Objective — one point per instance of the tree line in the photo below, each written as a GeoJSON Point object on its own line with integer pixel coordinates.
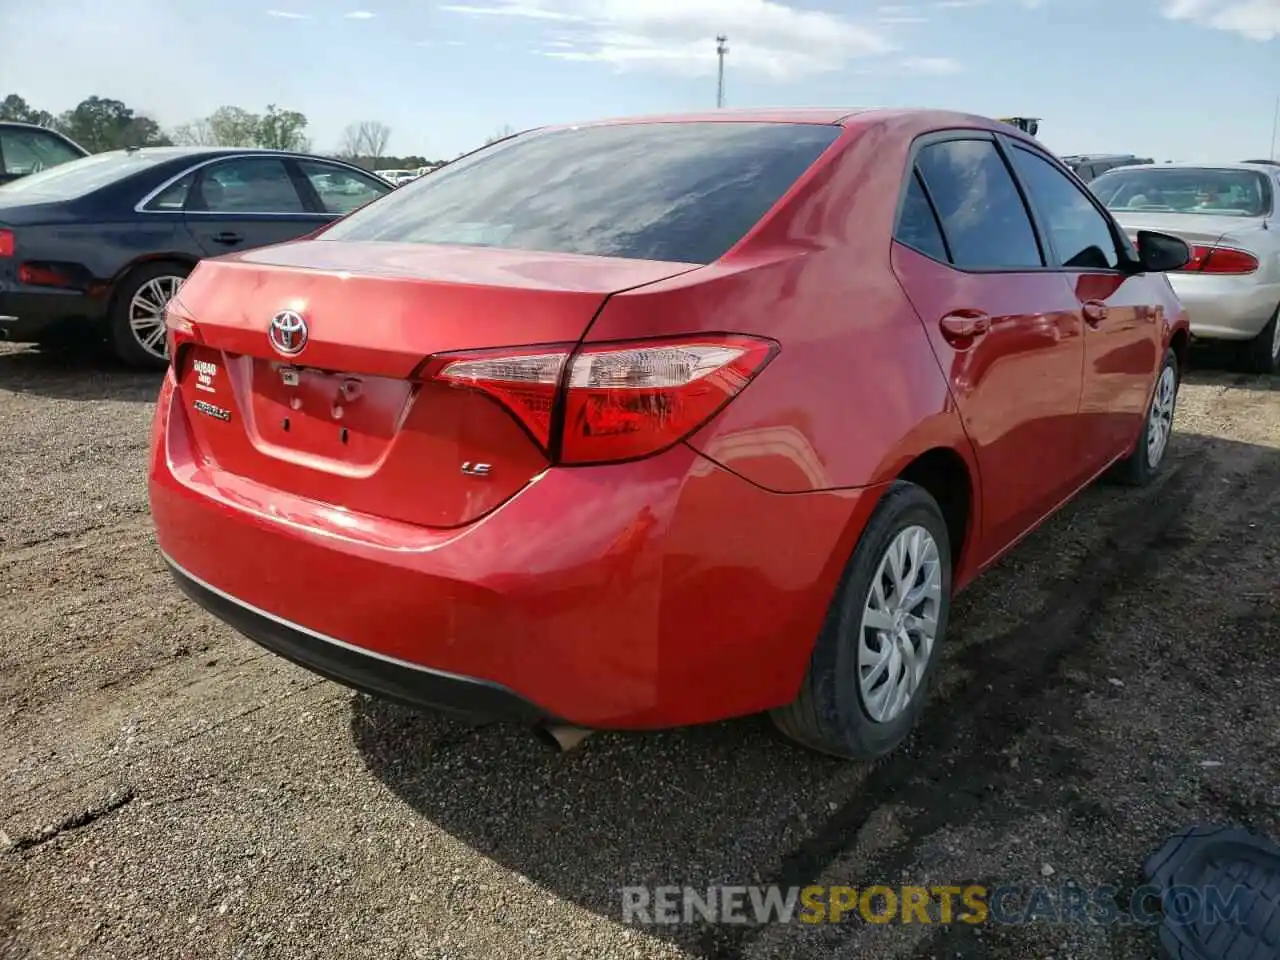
{"type": "Point", "coordinates": [99, 124]}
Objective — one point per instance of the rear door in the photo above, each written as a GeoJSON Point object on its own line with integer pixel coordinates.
{"type": "Point", "coordinates": [1005, 327]}
{"type": "Point", "coordinates": [249, 201]}
{"type": "Point", "coordinates": [1121, 314]}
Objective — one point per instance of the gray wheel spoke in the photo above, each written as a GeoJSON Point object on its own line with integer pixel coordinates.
{"type": "Point", "coordinates": [146, 313]}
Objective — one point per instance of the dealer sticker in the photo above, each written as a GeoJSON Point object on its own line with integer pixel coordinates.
{"type": "Point", "coordinates": [205, 372]}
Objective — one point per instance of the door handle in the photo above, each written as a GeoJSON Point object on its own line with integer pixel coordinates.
{"type": "Point", "coordinates": [228, 238]}
{"type": "Point", "coordinates": [961, 328]}
{"type": "Point", "coordinates": [1095, 311]}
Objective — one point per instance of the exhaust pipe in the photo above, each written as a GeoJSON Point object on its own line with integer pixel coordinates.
{"type": "Point", "coordinates": [562, 739]}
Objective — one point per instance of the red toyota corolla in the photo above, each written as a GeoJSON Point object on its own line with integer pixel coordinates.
{"type": "Point", "coordinates": [653, 422]}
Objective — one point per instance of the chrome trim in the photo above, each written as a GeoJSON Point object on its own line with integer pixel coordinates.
{"type": "Point", "coordinates": [6, 319]}
{"type": "Point", "coordinates": [140, 206]}
{"type": "Point", "coordinates": [316, 635]}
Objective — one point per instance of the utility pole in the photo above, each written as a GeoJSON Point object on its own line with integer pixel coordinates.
{"type": "Point", "coordinates": [1275, 126]}
{"type": "Point", "coordinates": [722, 47]}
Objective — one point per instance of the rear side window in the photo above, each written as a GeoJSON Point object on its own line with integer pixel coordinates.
{"type": "Point", "coordinates": [683, 192]}
{"type": "Point", "coordinates": [983, 216]}
{"type": "Point", "coordinates": [917, 226]}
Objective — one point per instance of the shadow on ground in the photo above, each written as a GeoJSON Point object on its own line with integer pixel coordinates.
{"type": "Point", "coordinates": [68, 374]}
{"type": "Point", "coordinates": [733, 803]}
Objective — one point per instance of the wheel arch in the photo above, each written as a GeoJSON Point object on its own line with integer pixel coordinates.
{"type": "Point", "coordinates": [185, 260]}
{"type": "Point", "coordinates": [948, 476]}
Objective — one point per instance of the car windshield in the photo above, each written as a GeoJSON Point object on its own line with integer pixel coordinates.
{"type": "Point", "coordinates": [79, 177]}
{"type": "Point", "coordinates": [1217, 192]}
{"type": "Point", "coordinates": [680, 192]}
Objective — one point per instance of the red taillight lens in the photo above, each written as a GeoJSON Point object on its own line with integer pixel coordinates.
{"type": "Point", "coordinates": [7, 243]}
{"type": "Point", "coordinates": [1220, 260]}
{"type": "Point", "coordinates": [614, 401]}
{"type": "Point", "coordinates": [179, 329]}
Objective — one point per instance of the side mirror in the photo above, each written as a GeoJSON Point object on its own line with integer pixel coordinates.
{"type": "Point", "coordinates": [1159, 252]}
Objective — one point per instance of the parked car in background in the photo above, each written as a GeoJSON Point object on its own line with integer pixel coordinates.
{"type": "Point", "coordinates": [1089, 166]}
{"type": "Point", "coordinates": [95, 248]}
{"type": "Point", "coordinates": [399, 177]}
{"type": "Point", "coordinates": [26, 148]}
{"type": "Point", "coordinates": [1228, 213]}
{"type": "Point", "coordinates": [650, 423]}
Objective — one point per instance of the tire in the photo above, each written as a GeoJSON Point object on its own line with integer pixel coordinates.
{"type": "Point", "coordinates": [1262, 353]}
{"type": "Point", "coordinates": [831, 714]}
{"type": "Point", "coordinates": [149, 285]}
{"type": "Point", "coordinates": [1143, 465]}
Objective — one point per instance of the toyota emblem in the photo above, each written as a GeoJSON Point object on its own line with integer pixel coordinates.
{"type": "Point", "coordinates": [288, 332]}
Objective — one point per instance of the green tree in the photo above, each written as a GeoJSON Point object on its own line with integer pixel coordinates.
{"type": "Point", "coordinates": [98, 124]}
{"type": "Point", "coordinates": [282, 130]}
{"type": "Point", "coordinates": [235, 127]}
{"type": "Point", "coordinates": [13, 107]}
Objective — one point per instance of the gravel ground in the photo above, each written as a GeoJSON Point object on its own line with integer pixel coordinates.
{"type": "Point", "coordinates": [169, 790]}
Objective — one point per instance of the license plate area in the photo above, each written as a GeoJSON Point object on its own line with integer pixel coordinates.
{"type": "Point", "coordinates": [344, 418]}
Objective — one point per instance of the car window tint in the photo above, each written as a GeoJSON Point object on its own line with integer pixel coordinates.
{"type": "Point", "coordinates": [30, 151]}
{"type": "Point", "coordinates": [917, 226]}
{"type": "Point", "coordinates": [682, 192]}
{"type": "Point", "coordinates": [174, 196]}
{"type": "Point", "coordinates": [982, 213]}
{"type": "Point", "coordinates": [248, 185]}
{"type": "Point", "coordinates": [341, 190]}
{"type": "Point", "coordinates": [1079, 234]}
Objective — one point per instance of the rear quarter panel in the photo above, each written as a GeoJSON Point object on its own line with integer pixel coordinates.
{"type": "Point", "coordinates": [855, 393]}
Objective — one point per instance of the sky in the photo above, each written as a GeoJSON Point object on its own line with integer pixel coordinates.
{"type": "Point", "coordinates": [1172, 79]}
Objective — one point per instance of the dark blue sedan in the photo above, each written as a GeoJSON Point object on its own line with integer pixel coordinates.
{"type": "Point", "coordinates": [92, 250]}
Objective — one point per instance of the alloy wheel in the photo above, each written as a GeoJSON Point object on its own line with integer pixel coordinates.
{"type": "Point", "coordinates": [899, 623]}
{"type": "Point", "coordinates": [1160, 420]}
{"type": "Point", "coordinates": [146, 313]}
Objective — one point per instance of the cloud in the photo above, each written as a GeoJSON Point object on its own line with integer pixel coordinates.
{"type": "Point", "coordinates": [359, 15]}
{"type": "Point", "coordinates": [767, 37]}
{"type": "Point", "coordinates": [1255, 19]}
{"type": "Point", "coordinates": [287, 15]}
{"type": "Point", "coordinates": [942, 65]}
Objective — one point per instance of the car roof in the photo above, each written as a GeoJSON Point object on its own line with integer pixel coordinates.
{"type": "Point", "coordinates": [839, 116]}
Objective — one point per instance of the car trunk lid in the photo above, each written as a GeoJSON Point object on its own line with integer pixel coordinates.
{"type": "Point", "coordinates": [347, 420]}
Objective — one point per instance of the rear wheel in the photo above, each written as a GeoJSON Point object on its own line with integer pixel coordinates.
{"type": "Point", "coordinates": [137, 314]}
{"type": "Point", "coordinates": [1144, 463]}
{"type": "Point", "coordinates": [1262, 353]}
{"type": "Point", "coordinates": [871, 667]}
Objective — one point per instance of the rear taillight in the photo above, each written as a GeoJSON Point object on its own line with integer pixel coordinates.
{"type": "Point", "coordinates": [7, 243]}
{"type": "Point", "coordinates": [1220, 260]}
{"type": "Point", "coordinates": [179, 329]}
{"type": "Point", "coordinates": [616, 401]}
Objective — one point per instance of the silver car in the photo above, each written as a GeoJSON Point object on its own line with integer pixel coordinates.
{"type": "Point", "coordinates": [1229, 214]}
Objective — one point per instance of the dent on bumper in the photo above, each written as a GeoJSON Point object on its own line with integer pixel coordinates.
{"type": "Point", "coordinates": [659, 593]}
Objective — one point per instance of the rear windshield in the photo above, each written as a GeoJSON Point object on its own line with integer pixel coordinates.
{"type": "Point", "coordinates": [79, 177]}
{"type": "Point", "coordinates": [682, 192]}
{"type": "Point", "coordinates": [1218, 192]}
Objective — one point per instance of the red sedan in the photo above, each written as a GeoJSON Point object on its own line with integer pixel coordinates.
{"type": "Point", "coordinates": [655, 422]}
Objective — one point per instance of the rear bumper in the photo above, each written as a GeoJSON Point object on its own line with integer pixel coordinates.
{"type": "Point", "coordinates": [29, 317]}
{"type": "Point", "coordinates": [1226, 308]}
{"type": "Point", "coordinates": [658, 593]}
{"type": "Point", "coordinates": [382, 676]}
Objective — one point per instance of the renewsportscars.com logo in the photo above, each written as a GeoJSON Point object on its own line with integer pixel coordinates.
{"type": "Point", "coordinates": [974, 904]}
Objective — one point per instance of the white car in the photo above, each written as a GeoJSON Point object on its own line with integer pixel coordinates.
{"type": "Point", "coordinates": [1230, 215]}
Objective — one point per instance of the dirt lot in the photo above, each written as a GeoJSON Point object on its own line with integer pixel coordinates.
{"type": "Point", "coordinates": [167, 790]}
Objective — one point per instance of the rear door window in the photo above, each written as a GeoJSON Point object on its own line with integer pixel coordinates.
{"type": "Point", "coordinates": [982, 214]}
{"type": "Point", "coordinates": [246, 185]}
{"type": "Point", "coordinates": [917, 226]}
{"type": "Point", "coordinates": [683, 192]}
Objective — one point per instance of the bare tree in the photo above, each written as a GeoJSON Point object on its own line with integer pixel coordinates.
{"type": "Point", "coordinates": [365, 140]}
{"type": "Point", "coordinates": [197, 133]}
{"type": "Point", "coordinates": [502, 133]}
